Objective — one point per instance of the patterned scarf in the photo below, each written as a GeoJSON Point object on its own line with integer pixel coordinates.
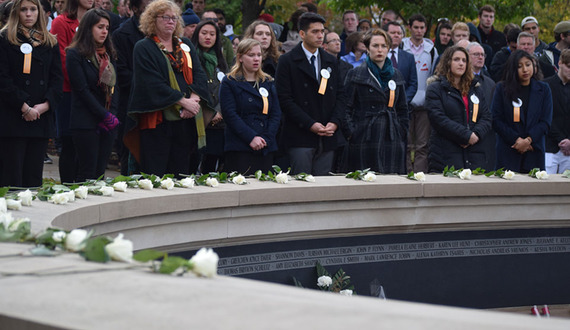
{"type": "Point", "coordinates": [383, 75]}
{"type": "Point", "coordinates": [34, 37]}
{"type": "Point", "coordinates": [107, 75]}
{"type": "Point", "coordinates": [176, 58]}
{"type": "Point", "coordinates": [210, 61]}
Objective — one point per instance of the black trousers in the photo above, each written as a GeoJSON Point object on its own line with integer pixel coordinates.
{"type": "Point", "coordinates": [22, 161]}
{"type": "Point", "coordinates": [167, 148]}
{"type": "Point", "coordinates": [247, 163]}
{"type": "Point", "coordinates": [67, 156]}
{"type": "Point", "coordinates": [93, 149]}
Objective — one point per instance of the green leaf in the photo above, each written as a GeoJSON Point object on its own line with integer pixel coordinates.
{"type": "Point", "coordinates": [321, 271]}
{"type": "Point", "coordinates": [148, 255]}
{"type": "Point", "coordinates": [297, 283]}
{"type": "Point", "coordinates": [566, 174]}
{"type": "Point", "coordinates": [95, 249]}
{"type": "Point", "coordinates": [3, 191]}
{"type": "Point", "coordinates": [43, 251]}
{"type": "Point", "coordinates": [223, 177]}
{"type": "Point", "coordinates": [170, 264]}
{"type": "Point", "coordinates": [276, 168]}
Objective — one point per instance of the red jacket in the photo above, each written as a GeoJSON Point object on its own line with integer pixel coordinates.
{"type": "Point", "coordinates": [64, 28]}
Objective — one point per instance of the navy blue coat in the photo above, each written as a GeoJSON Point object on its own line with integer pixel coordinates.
{"type": "Point", "coordinates": [407, 66]}
{"type": "Point", "coordinates": [87, 98]}
{"type": "Point", "coordinates": [242, 107]}
{"type": "Point", "coordinates": [536, 125]}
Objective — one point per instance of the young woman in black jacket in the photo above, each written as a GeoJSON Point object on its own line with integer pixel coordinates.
{"type": "Point", "coordinates": [30, 88]}
{"type": "Point", "coordinates": [94, 96]}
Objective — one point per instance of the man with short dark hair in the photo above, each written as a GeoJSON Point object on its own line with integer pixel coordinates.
{"type": "Point", "coordinates": [530, 24]}
{"type": "Point", "coordinates": [425, 56]}
{"type": "Point", "coordinates": [311, 96]}
{"type": "Point", "coordinates": [489, 35]}
{"type": "Point", "coordinates": [388, 16]}
{"type": "Point", "coordinates": [401, 59]}
{"type": "Point", "coordinates": [198, 6]}
{"type": "Point", "coordinates": [557, 157]}
{"type": "Point", "coordinates": [350, 23]}
{"type": "Point", "coordinates": [549, 58]}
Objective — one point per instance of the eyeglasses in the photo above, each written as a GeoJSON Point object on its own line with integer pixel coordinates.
{"type": "Point", "coordinates": [333, 40]}
{"type": "Point", "coordinates": [479, 54]}
{"type": "Point", "coordinates": [215, 20]}
{"type": "Point", "coordinates": [169, 18]}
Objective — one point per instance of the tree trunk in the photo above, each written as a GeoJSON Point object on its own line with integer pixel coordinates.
{"type": "Point", "coordinates": [250, 10]}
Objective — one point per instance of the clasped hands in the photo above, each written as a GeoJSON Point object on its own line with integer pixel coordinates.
{"type": "Point", "coordinates": [523, 145]}
{"type": "Point", "coordinates": [564, 146]}
{"type": "Point", "coordinates": [190, 106]}
{"type": "Point", "coordinates": [34, 113]}
{"type": "Point", "coordinates": [473, 139]}
{"type": "Point", "coordinates": [322, 130]}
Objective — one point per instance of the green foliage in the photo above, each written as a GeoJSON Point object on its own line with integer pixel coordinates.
{"type": "Point", "coordinates": [500, 172]}
{"type": "Point", "coordinates": [479, 171]}
{"type": "Point", "coordinates": [533, 172]}
{"type": "Point", "coordinates": [566, 174]}
{"type": "Point", "coordinates": [358, 174]}
{"type": "Point", "coordinates": [148, 255]}
{"type": "Point", "coordinates": [340, 280]}
{"type": "Point", "coordinates": [95, 249]}
{"type": "Point", "coordinates": [4, 191]}
{"type": "Point", "coordinates": [171, 264]}
{"type": "Point", "coordinates": [18, 234]}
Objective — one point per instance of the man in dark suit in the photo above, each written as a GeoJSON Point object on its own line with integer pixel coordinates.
{"type": "Point", "coordinates": [401, 59]}
{"type": "Point", "coordinates": [310, 92]}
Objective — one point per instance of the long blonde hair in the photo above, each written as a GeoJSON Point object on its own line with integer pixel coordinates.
{"type": "Point", "coordinates": [11, 28]}
{"type": "Point", "coordinates": [236, 72]}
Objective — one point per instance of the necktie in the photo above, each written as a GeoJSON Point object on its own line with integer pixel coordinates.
{"type": "Point", "coordinates": [393, 59]}
{"type": "Point", "coordinates": [313, 58]}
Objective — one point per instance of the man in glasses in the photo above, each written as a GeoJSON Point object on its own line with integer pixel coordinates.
{"type": "Point", "coordinates": [331, 45]}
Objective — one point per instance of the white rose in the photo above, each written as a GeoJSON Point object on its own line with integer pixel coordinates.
{"type": "Point", "coordinates": [212, 182]}
{"type": "Point", "coordinates": [420, 176]}
{"type": "Point", "coordinates": [6, 219]}
{"type": "Point", "coordinates": [167, 184]}
{"type": "Point", "coordinates": [310, 178]}
{"type": "Point", "coordinates": [26, 197]}
{"type": "Point", "coordinates": [345, 292]}
{"type": "Point", "coordinates": [239, 179]}
{"type": "Point", "coordinates": [70, 195]}
{"type": "Point", "coordinates": [120, 186]}
{"type": "Point", "coordinates": [205, 262]}
{"type": "Point", "coordinates": [13, 204]}
{"type": "Point", "coordinates": [61, 198]}
{"type": "Point", "coordinates": [369, 177]}
{"type": "Point", "coordinates": [16, 223]}
{"type": "Point", "coordinates": [58, 236]}
{"type": "Point", "coordinates": [324, 281]}
{"type": "Point", "coordinates": [81, 192]}
{"type": "Point", "coordinates": [107, 191]}
{"type": "Point", "coordinates": [187, 182]}
{"type": "Point", "coordinates": [542, 175]}
{"type": "Point", "coordinates": [145, 184]}
{"type": "Point", "coordinates": [508, 175]}
{"type": "Point", "coordinates": [465, 174]}
{"type": "Point", "coordinates": [282, 177]}
{"type": "Point", "coordinates": [76, 240]}
{"type": "Point", "coordinates": [3, 206]}
{"type": "Point", "coordinates": [120, 249]}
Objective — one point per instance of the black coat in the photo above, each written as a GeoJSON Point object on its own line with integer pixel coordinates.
{"type": "Point", "coordinates": [451, 129]}
{"type": "Point", "coordinates": [124, 40]}
{"type": "Point", "coordinates": [87, 98]}
{"type": "Point", "coordinates": [302, 106]}
{"type": "Point", "coordinates": [560, 128]}
{"type": "Point", "coordinates": [44, 82]}
{"type": "Point", "coordinates": [498, 63]}
{"type": "Point", "coordinates": [378, 134]}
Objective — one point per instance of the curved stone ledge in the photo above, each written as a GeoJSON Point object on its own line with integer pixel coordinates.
{"type": "Point", "coordinates": [183, 219]}
{"type": "Point", "coordinates": [96, 296]}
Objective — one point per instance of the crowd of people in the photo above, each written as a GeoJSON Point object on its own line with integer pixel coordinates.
{"type": "Point", "coordinates": [174, 90]}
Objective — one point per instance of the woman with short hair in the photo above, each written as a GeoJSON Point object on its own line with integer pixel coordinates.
{"type": "Point", "coordinates": [168, 85]}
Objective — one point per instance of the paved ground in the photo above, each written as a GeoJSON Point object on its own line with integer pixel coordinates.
{"type": "Point", "coordinates": [52, 170]}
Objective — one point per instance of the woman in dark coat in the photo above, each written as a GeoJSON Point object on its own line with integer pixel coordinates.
{"type": "Point", "coordinates": [208, 41]}
{"type": "Point", "coordinates": [458, 113]}
{"type": "Point", "coordinates": [94, 94]}
{"type": "Point", "coordinates": [168, 85]}
{"type": "Point", "coordinates": [522, 114]}
{"type": "Point", "coordinates": [29, 93]}
{"type": "Point", "coordinates": [251, 125]}
{"type": "Point", "coordinates": [377, 114]}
